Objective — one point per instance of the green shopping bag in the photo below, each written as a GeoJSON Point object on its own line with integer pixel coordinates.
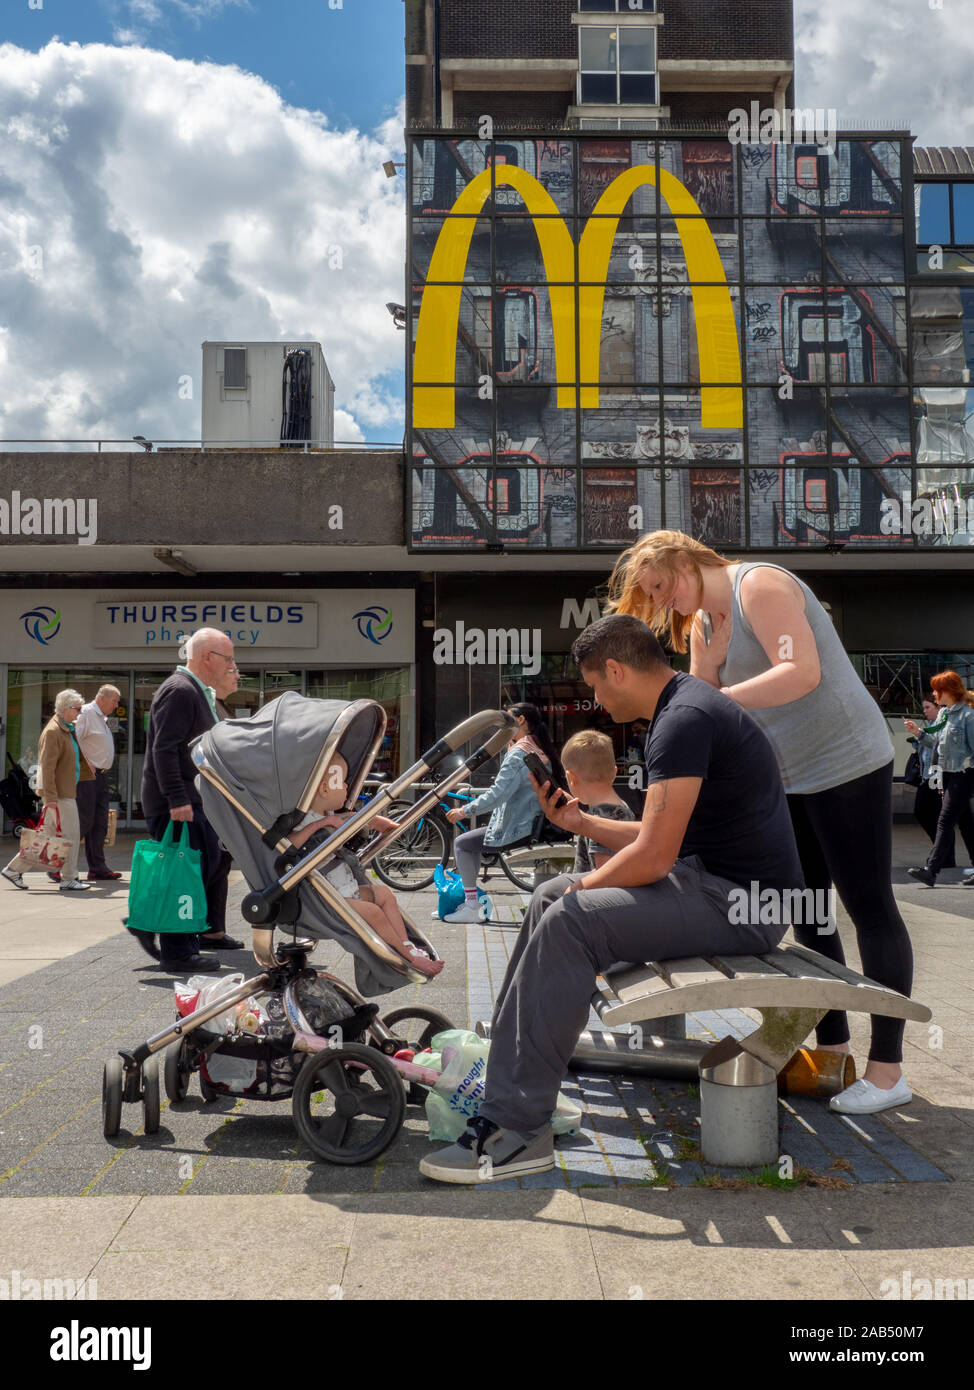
{"type": "Point", "coordinates": [166, 893]}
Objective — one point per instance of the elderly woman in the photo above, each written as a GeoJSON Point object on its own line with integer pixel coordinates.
{"type": "Point", "coordinates": [60, 768]}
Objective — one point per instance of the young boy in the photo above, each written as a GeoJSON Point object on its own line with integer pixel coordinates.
{"type": "Point", "coordinates": [373, 901]}
{"type": "Point", "coordinates": [590, 767]}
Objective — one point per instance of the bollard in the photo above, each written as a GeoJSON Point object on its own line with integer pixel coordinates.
{"type": "Point", "coordinates": [738, 1108]}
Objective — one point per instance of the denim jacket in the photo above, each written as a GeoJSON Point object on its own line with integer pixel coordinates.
{"type": "Point", "coordinates": [955, 741]}
{"type": "Point", "coordinates": [511, 799]}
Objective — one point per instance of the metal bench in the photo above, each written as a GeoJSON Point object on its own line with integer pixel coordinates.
{"type": "Point", "coordinates": [792, 988]}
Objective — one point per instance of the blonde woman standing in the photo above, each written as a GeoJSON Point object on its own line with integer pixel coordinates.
{"type": "Point", "coordinates": [60, 767]}
{"type": "Point", "coordinates": [760, 635]}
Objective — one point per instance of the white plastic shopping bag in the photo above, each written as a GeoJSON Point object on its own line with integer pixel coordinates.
{"type": "Point", "coordinates": [462, 1087]}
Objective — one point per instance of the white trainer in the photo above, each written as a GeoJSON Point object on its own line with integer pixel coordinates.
{"type": "Point", "coordinates": [466, 912]}
{"type": "Point", "coordinates": [863, 1098]}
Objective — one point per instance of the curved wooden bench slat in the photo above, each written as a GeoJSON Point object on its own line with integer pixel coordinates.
{"type": "Point", "coordinates": [791, 977]}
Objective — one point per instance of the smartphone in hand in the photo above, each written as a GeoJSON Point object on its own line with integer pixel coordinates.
{"type": "Point", "coordinates": [542, 774]}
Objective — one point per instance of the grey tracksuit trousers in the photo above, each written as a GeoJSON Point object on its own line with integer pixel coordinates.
{"type": "Point", "coordinates": [564, 942]}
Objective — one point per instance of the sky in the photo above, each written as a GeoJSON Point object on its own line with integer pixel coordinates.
{"type": "Point", "coordinates": [179, 170]}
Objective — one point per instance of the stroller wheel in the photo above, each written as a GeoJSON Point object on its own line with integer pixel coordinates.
{"type": "Point", "coordinates": [176, 1071]}
{"type": "Point", "coordinates": [208, 1092]}
{"type": "Point", "coordinates": [348, 1104]}
{"type": "Point", "coordinates": [111, 1097]}
{"type": "Point", "coordinates": [416, 1027]}
{"type": "Point", "coordinates": [150, 1094]}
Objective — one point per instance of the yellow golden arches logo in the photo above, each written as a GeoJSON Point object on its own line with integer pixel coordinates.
{"type": "Point", "coordinates": [434, 407]}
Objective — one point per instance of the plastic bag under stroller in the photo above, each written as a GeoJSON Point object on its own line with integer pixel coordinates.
{"type": "Point", "coordinates": [249, 1049]}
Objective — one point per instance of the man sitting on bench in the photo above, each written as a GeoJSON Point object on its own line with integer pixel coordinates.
{"type": "Point", "coordinates": [715, 820]}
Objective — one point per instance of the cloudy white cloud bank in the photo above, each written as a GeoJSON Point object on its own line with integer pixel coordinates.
{"type": "Point", "coordinates": [894, 61]}
{"type": "Point", "coordinates": [148, 203]}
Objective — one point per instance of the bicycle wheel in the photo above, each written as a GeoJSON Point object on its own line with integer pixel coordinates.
{"type": "Point", "coordinates": [521, 875]}
{"type": "Point", "coordinates": [410, 862]}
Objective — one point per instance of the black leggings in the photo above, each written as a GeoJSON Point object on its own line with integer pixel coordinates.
{"type": "Point", "coordinates": [845, 837]}
{"type": "Point", "coordinates": [955, 811]}
{"type": "Point", "coordinates": [927, 805]}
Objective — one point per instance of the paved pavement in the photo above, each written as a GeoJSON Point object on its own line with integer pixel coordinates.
{"type": "Point", "coordinates": [626, 1214]}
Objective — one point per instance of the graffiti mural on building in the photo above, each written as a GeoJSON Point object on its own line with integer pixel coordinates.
{"type": "Point", "coordinates": [590, 316]}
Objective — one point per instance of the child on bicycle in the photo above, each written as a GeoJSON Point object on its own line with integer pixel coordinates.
{"type": "Point", "coordinates": [511, 800]}
{"type": "Point", "coordinates": [590, 766]}
{"type": "Point", "coordinates": [373, 901]}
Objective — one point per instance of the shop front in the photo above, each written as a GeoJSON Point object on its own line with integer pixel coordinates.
{"type": "Point", "coordinates": [342, 644]}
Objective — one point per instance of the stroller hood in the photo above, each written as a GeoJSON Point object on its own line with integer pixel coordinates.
{"type": "Point", "coordinates": [270, 765]}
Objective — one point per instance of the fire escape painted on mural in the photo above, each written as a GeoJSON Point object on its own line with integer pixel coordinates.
{"type": "Point", "coordinates": [610, 335]}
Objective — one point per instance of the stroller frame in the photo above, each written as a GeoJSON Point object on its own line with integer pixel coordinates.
{"type": "Point", "coordinates": [133, 1075]}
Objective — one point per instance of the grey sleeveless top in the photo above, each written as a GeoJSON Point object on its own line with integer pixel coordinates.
{"type": "Point", "coordinates": [833, 734]}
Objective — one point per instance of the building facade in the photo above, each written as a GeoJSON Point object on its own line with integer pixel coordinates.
{"type": "Point", "coordinates": [616, 321]}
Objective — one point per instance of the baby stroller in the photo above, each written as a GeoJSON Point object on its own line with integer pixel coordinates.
{"type": "Point", "coordinates": [20, 805]}
{"type": "Point", "coordinates": [312, 1038]}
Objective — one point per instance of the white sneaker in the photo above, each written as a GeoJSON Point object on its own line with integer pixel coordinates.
{"type": "Point", "coordinates": [863, 1098]}
{"type": "Point", "coordinates": [73, 885]}
{"type": "Point", "coordinates": [466, 912]}
{"type": "Point", "coordinates": [15, 878]}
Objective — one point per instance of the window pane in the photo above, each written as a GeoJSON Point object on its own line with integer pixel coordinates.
{"type": "Point", "coordinates": [933, 222]}
{"type": "Point", "coordinates": [599, 89]}
{"type": "Point", "coordinates": [597, 50]}
{"type": "Point", "coordinates": [964, 214]}
{"type": "Point", "coordinates": [637, 90]}
{"type": "Point", "coordinates": [637, 50]}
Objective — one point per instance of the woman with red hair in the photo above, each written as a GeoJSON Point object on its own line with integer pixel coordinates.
{"type": "Point", "coordinates": [760, 635]}
{"type": "Point", "coordinates": [955, 751]}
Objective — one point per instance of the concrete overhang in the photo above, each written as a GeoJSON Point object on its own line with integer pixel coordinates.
{"type": "Point", "coordinates": [190, 497]}
{"type": "Point", "coordinates": [750, 74]}
{"type": "Point", "coordinates": [508, 74]}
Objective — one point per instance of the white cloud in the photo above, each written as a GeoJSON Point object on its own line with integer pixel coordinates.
{"type": "Point", "coordinates": [148, 203]}
{"type": "Point", "coordinates": [899, 61]}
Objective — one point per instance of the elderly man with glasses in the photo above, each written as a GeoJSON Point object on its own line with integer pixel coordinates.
{"type": "Point", "coordinates": [183, 707]}
{"type": "Point", "coordinates": [95, 740]}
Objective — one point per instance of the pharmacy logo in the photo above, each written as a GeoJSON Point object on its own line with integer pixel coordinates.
{"type": "Point", "coordinates": [43, 624]}
{"type": "Point", "coordinates": [374, 623]}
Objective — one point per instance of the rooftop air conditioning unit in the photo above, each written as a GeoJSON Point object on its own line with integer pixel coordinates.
{"type": "Point", "coordinates": [267, 395]}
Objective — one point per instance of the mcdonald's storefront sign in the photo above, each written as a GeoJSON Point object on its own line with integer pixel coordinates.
{"type": "Point", "coordinates": [434, 394]}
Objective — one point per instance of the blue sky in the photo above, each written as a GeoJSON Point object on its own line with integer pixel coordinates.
{"type": "Point", "coordinates": [179, 170]}
{"type": "Point", "coordinates": [347, 62]}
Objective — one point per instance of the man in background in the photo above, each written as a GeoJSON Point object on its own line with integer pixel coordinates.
{"type": "Point", "coordinates": [97, 745]}
{"type": "Point", "coordinates": [182, 708]}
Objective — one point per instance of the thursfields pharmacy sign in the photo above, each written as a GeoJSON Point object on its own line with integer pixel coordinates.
{"type": "Point", "coordinates": [168, 622]}
{"type": "Point", "coordinates": [111, 628]}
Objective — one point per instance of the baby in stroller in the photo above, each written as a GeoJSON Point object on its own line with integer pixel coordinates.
{"type": "Point", "coordinates": [373, 901]}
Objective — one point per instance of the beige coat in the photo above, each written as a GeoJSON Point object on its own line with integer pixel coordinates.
{"type": "Point", "coordinates": [55, 756]}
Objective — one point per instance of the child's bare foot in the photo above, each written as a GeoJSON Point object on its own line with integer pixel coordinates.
{"type": "Point", "coordinates": [419, 960]}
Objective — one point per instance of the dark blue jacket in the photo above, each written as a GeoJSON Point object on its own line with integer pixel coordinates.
{"type": "Point", "coordinates": [179, 713]}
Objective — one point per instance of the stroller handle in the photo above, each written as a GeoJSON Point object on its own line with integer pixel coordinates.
{"type": "Point", "coordinates": [426, 803]}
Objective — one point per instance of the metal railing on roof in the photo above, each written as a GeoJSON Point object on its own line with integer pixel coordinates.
{"type": "Point", "coordinates": [133, 445]}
